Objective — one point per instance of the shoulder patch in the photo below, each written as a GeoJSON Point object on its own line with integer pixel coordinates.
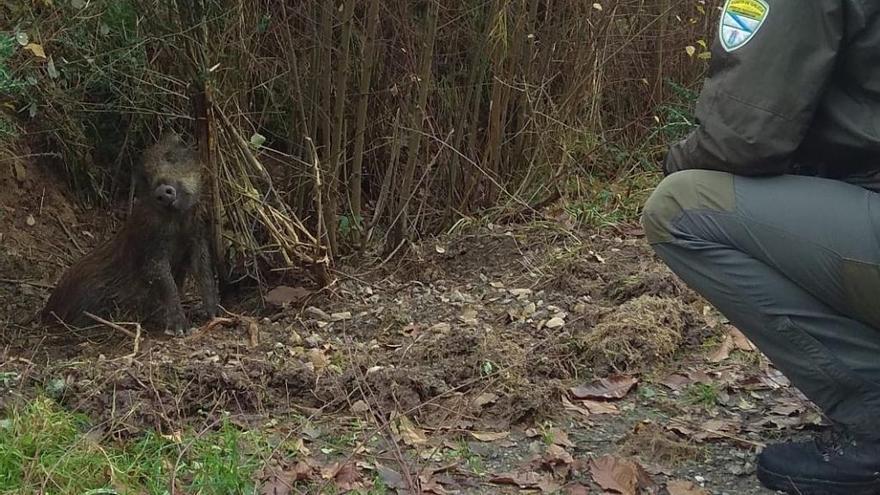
{"type": "Point", "coordinates": [740, 20]}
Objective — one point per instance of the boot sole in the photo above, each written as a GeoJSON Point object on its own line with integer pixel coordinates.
{"type": "Point", "coordinates": [808, 486]}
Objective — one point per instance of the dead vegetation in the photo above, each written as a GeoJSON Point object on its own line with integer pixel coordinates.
{"type": "Point", "coordinates": [327, 131]}
{"type": "Point", "coordinates": [638, 333]}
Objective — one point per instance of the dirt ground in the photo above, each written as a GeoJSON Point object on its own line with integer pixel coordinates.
{"type": "Point", "coordinates": [495, 359]}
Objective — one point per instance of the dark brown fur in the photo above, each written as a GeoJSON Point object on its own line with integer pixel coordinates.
{"type": "Point", "coordinates": [141, 271]}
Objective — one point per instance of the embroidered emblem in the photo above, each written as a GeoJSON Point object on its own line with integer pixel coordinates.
{"type": "Point", "coordinates": [740, 20]}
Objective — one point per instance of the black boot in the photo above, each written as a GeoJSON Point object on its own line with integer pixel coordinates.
{"type": "Point", "coordinates": [834, 463]}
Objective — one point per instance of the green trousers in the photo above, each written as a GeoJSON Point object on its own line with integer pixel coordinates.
{"type": "Point", "coordinates": [794, 263]}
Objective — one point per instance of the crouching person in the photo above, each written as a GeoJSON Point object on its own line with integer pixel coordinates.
{"type": "Point", "coordinates": [770, 210]}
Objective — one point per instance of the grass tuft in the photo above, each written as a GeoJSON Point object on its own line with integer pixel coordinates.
{"type": "Point", "coordinates": [46, 449]}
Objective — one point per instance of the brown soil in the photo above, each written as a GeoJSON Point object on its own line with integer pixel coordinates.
{"type": "Point", "coordinates": [482, 331]}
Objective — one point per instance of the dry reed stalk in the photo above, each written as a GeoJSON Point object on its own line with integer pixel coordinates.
{"type": "Point", "coordinates": [369, 53]}
{"type": "Point", "coordinates": [417, 115]}
{"type": "Point", "coordinates": [332, 179]}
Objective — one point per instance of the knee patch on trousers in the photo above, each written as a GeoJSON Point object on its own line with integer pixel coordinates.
{"type": "Point", "coordinates": [687, 190]}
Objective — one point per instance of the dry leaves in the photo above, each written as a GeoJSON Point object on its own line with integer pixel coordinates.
{"type": "Point", "coordinates": [392, 478]}
{"type": "Point", "coordinates": [733, 340]}
{"type": "Point", "coordinates": [680, 487]}
{"type": "Point", "coordinates": [409, 433]}
{"type": "Point", "coordinates": [490, 436]}
{"type": "Point", "coordinates": [346, 477]}
{"type": "Point", "coordinates": [526, 480]}
{"type": "Point", "coordinates": [613, 387]}
{"type": "Point", "coordinates": [620, 475]}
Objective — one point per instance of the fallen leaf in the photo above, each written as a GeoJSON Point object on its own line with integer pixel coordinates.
{"type": "Point", "coordinates": [556, 456]}
{"type": "Point", "coordinates": [347, 477]}
{"type": "Point", "coordinates": [700, 376]}
{"type": "Point", "coordinates": [20, 171]}
{"type": "Point", "coordinates": [620, 475]}
{"type": "Point", "coordinates": [740, 341]}
{"type": "Point", "coordinates": [485, 398]}
{"type": "Point", "coordinates": [775, 379]}
{"type": "Point", "coordinates": [31, 221]}
{"type": "Point", "coordinates": [409, 433]}
{"type": "Point", "coordinates": [283, 294]}
{"type": "Point", "coordinates": [489, 436]}
{"type": "Point", "coordinates": [575, 489]}
{"type": "Point", "coordinates": [429, 484]}
{"type": "Point", "coordinates": [523, 480]}
{"type": "Point", "coordinates": [276, 485]}
{"type": "Point", "coordinates": [50, 68]}
{"type": "Point", "coordinates": [257, 140]}
{"type": "Point", "coordinates": [717, 428]}
{"type": "Point", "coordinates": [681, 487]}
{"type": "Point", "coordinates": [676, 381]}
{"type": "Point", "coordinates": [723, 351]}
{"type": "Point", "coordinates": [282, 483]}
{"type": "Point", "coordinates": [36, 49]}
{"type": "Point", "coordinates": [787, 409]}
{"type": "Point", "coordinates": [560, 437]}
{"type": "Point", "coordinates": [598, 408]}
{"type": "Point", "coordinates": [733, 340]}
{"type": "Point", "coordinates": [392, 478]}
{"type": "Point", "coordinates": [613, 387]}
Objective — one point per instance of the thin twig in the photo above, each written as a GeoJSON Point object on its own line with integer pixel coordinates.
{"type": "Point", "coordinates": [112, 325]}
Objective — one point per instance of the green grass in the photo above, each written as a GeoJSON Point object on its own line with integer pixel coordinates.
{"type": "Point", "coordinates": [702, 394]}
{"type": "Point", "coordinates": [46, 449]}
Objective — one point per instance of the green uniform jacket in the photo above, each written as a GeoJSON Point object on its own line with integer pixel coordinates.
{"type": "Point", "coordinates": [793, 87]}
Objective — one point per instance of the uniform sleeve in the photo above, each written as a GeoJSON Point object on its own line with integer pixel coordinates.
{"type": "Point", "coordinates": [771, 60]}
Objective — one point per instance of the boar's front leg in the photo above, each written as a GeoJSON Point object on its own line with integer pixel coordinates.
{"type": "Point", "coordinates": [165, 288]}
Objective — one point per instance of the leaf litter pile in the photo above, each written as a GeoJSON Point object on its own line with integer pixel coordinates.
{"type": "Point", "coordinates": [502, 361]}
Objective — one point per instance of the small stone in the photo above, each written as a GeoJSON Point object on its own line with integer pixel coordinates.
{"type": "Point", "coordinates": [469, 317]}
{"type": "Point", "coordinates": [317, 313]}
{"type": "Point", "coordinates": [555, 322]}
{"type": "Point", "coordinates": [314, 340]}
{"type": "Point", "coordinates": [521, 293]}
{"type": "Point", "coordinates": [360, 407]}
{"type": "Point", "coordinates": [440, 327]}
{"type": "Point", "coordinates": [345, 315]}
{"type": "Point", "coordinates": [318, 359]}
